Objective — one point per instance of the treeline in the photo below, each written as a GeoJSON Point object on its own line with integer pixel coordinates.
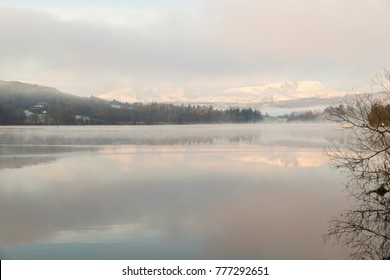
{"type": "Point", "coordinates": [156, 113]}
{"type": "Point", "coordinates": [307, 116]}
{"type": "Point", "coordinates": [30, 104]}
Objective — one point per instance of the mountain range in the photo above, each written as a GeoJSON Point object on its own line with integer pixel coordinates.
{"type": "Point", "coordinates": [264, 94]}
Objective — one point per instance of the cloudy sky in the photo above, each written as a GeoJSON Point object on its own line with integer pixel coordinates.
{"type": "Point", "coordinates": [89, 47]}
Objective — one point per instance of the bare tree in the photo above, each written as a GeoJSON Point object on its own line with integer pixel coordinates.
{"type": "Point", "coordinates": [364, 158]}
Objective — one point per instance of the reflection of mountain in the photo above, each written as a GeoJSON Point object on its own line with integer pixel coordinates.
{"type": "Point", "coordinates": [288, 158]}
{"type": "Point", "coordinates": [18, 156]}
{"type": "Point", "coordinates": [89, 143]}
{"type": "Point", "coordinates": [44, 148]}
{"type": "Point", "coordinates": [19, 162]}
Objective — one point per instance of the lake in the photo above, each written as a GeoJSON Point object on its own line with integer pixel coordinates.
{"type": "Point", "coordinates": [234, 191]}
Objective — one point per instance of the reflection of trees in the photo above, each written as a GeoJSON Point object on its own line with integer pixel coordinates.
{"type": "Point", "coordinates": [49, 141]}
{"type": "Point", "coordinates": [365, 160]}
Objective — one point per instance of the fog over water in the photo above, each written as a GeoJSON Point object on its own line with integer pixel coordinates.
{"type": "Point", "coordinates": [168, 192]}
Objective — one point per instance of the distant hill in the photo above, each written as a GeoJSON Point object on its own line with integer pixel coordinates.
{"type": "Point", "coordinates": [27, 95]}
{"type": "Point", "coordinates": [22, 103]}
{"type": "Point", "coordinates": [26, 89]}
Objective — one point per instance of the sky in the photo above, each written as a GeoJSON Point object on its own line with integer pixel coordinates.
{"type": "Point", "coordinates": [194, 47]}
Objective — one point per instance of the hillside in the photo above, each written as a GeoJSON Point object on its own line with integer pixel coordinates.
{"type": "Point", "coordinates": [22, 103]}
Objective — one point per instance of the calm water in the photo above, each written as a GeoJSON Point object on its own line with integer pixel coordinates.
{"type": "Point", "coordinates": [168, 192]}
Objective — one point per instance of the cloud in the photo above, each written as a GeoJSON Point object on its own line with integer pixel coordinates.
{"type": "Point", "coordinates": [217, 44]}
{"type": "Point", "coordinates": [63, 49]}
{"type": "Point", "coordinates": [304, 29]}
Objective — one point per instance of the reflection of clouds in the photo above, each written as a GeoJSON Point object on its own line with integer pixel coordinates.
{"type": "Point", "coordinates": [292, 158]}
{"type": "Point", "coordinates": [272, 224]}
{"type": "Point", "coordinates": [94, 191]}
{"type": "Point", "coordinates": [128, 156]}
{"type": "Point", "coordinates": [230, 209]}
{"type": "Point", "coordinates": [106, 233]}
{"type": "Point", "coordinates": [18, 156]}
{"type": "Point", "coordinates": [162, 190]}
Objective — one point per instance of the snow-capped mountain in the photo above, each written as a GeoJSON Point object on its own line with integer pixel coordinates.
{"type": "Point", "coordinates": [275, 92]}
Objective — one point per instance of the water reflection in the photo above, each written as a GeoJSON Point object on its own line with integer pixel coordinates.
{"type": "Point", "coordinates": [235, 196]}
{"type": "Point", "coordinates": [19, 162]}
{"type": "Point", "coordinates": [74, 136]}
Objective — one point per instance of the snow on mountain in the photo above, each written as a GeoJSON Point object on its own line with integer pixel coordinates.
{"type": "Point", "coordinates": [275, 92]}
{"type": "Point", "coordinates": [126, 94]}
